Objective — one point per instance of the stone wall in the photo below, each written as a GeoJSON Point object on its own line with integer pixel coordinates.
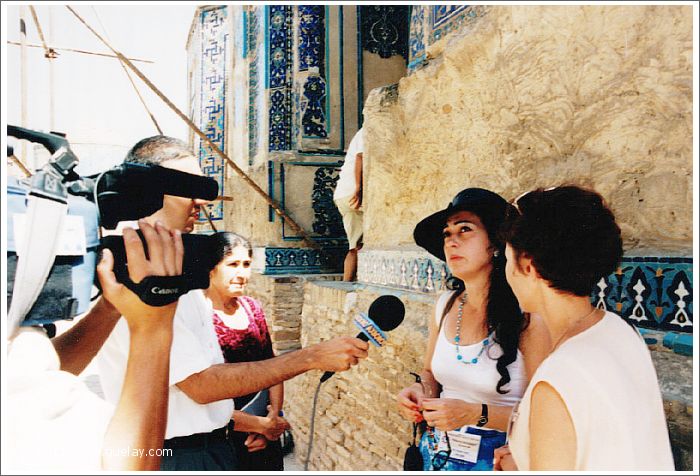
{"type": "Point", "coordinates": [282, 298]}
{"type": "Point", "coordinates": [357, 425]}
{"type": "Point", "coordinates": [533, 96]}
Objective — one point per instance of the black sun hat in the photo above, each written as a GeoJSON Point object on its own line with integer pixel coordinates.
{"type": "Point", "coordinates": [487, 205]}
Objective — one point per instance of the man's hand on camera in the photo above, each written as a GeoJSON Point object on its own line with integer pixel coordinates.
{"type": "Point", "coordinates": [165, 251]}
{"type": "Point", "coordinates": [338, 354]}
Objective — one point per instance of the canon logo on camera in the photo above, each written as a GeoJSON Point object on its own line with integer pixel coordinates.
{"type": "Point", "coordinates": [157, 290]}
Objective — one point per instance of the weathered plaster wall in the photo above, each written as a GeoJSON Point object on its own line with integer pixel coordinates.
{"type": "Point", "coordinates": [378, 71]}
{"type": "Point", "coordinates": [537, 96]}
{"type": "Point", "coordinates": [247, 212]}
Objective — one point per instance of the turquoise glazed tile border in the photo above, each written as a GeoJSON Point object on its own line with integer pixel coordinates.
{"type": "Point", "coordinates": [649, 292]}
{"type": "Point", "coordinates": [304, 260]}
{"type": "Point", "coordinates": [413, 270]}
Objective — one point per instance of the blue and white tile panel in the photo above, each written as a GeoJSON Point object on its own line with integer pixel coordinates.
{"type": "Point", "coordinates": [650, 292]}
{"type": "Point", "coordinates": [212, 111]}
{"type": "Point", "coordinates": [303, 260]}
{"type": "Point", "coordinates": [279, 80]}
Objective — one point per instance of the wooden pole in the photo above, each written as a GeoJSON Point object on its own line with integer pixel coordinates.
{"type": "Point", "coordinates": [272, 203]}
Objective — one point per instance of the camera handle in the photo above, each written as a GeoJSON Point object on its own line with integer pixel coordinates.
{"type": "Point", "coordinates": [47, 205]}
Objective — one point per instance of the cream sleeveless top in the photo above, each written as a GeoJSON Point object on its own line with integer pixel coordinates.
{"type": "Point", "coordinates": [606, 377]}
{"type": "Point", "coordinates": [474, 383]}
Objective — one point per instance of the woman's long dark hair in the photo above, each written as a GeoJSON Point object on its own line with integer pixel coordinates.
{"type": "Point", "coordinates": [503, 314]}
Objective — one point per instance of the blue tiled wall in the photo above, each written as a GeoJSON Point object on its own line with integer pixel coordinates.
{"type": "Point", "coordinates": [650, 292]}
{"type": "Point", "coordinates": [430, 23]}
{"type": "Point", "coordinates": [212, 90]}
{"type": "Point", "coordinates": [303, 260]}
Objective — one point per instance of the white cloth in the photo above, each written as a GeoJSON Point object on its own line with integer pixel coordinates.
{"type": "Point", "coordinates": [474, 383]}
{"type": "Point", "coordinates": [346, 179]}
{"type": "Point", "coordinates": [607, 379]}
{"type": "Point", "coordinates": [51, 421]}
{"type": "Point", "coordinates": [195, 348]}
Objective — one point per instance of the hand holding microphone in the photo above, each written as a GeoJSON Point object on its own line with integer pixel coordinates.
{"type": "Point", "coordinates": [337, 354]}
{"type": "Point", "coordinates": [384, 314]}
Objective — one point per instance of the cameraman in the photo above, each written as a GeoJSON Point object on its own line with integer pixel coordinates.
{"type": "Point", "coordinates": [54, 420]}
{"type": "Point", "coordinates": [202, 386]}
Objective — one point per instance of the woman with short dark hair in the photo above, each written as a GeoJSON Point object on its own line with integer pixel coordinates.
{"type": "Point", "coordinates": [594, 403]}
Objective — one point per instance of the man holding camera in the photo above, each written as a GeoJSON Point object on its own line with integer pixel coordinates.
{"type": "Point", "coordinates": [201, 384]}
{"type": "Point", "coordinates": [55, 421]}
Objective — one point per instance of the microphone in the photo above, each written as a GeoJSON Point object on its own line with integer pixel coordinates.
{"type": "Point", "coordinates": [384, 314]}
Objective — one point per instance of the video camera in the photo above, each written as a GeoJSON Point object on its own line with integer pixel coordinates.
{"type": "Point", "coordinates": [53, 223]}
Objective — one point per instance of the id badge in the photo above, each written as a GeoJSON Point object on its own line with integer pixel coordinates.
{"type": "Point", "coordinates": [465, 446]}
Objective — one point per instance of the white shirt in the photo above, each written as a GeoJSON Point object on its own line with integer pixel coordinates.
{"type": "Point", "coordinates": [474, 383]}
{"type": "Point", "coordinates": [52, 422]}
{"type": "Point", "coordinates": [346, 178]}
{"type": "Point", "coordinates": [195, 348]}
{"type": "Point", "coordinates": [607, 380]}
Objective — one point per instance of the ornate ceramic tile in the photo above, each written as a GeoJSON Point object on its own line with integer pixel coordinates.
{"type": "Point", "coordinates": [448, 18]}
{"type": "Point", "coordinates": [303, 260]}
{"type": "Point", "coordinates": [433, 22]}
{"type": "Point", "coordinates": [313, 105]}
{"type": "Point", "coordinates": [384, 29]}
{"type": "Point", "coordinates": [311, 36]}
{"type": "Point", "coordinates": [279, 79]}
{"type": "Point", "coordinates": [212, 118]}
{"type": "Point", "coordinates": [650, 292]}
{"type": "Point", "coordinates": [252, 16]}
{"type": "Point", "coordinates": [416, 43]}
{"type": "Point", "coordinates": [326, 224]}
{"type": "Point", "coordinates": [412, 270]}
{"type": "Point", "coordinates": [312, 101]}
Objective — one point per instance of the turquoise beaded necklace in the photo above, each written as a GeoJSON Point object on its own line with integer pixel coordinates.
{"type": "Point", "coordinates": [484, 343]}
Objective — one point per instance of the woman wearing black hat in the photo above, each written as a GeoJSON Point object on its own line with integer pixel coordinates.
{"type": "Point", "coordinates": [481, 349]}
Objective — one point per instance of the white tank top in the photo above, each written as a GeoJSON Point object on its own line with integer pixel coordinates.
{"type": "Point", "coordinates": [607, 380]}
{"type": "Point", "coordinates": [474, 383]}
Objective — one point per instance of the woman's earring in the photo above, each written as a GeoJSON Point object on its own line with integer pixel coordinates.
{"type": "Point", "coordinates": [496, 254]}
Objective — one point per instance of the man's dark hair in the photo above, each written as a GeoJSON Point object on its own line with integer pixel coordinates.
{"type": "Point", "coordinates": [569, 233]}
{"type": "Point", "coordinates": [156, 150]}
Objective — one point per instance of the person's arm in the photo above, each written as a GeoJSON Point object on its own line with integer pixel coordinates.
{"type": "Point", "coordinates": [271, 427]}
{"type": "Point", "coordinates": [141, 415]}
{"type": "Point", "coordinates": [78, 345]}
{"type": "Point", "coordinates": [276, 392]}
{"type": "Point", "coordinates": [222, 381]}
{"type": "Point", "coordinates": [431, 386]}
{"type": "Point", "coordinates": [356, 199]}
{"type": "Point", "coordinates": [552, 433]}
{"type": "Point", "coordinates": [410, 399]}
{"type": "Point", "coordinates": [450, 413]}
{"type": "Point", "coordinates": [276, 399]}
